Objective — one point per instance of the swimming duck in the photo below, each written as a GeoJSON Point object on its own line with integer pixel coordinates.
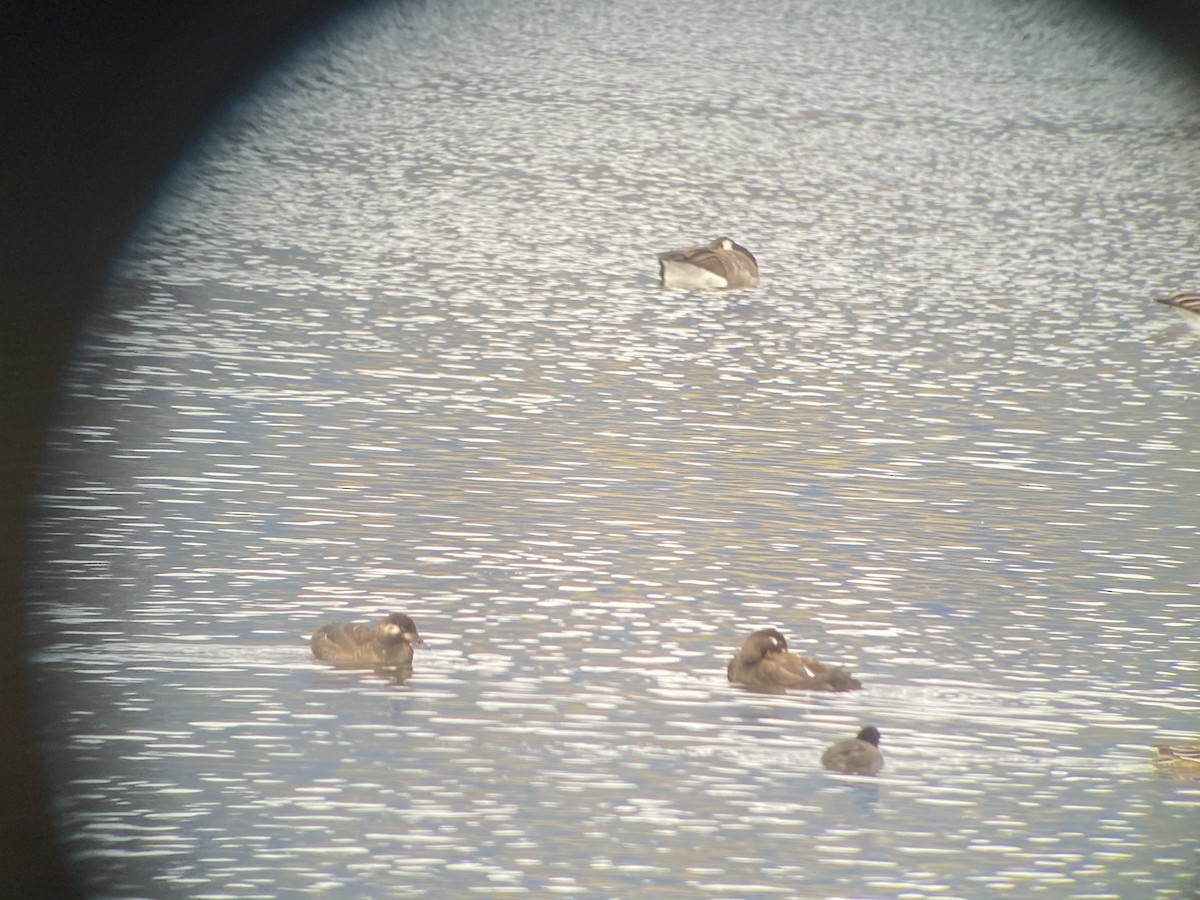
{"type": "Point", "coordinates": [765, 664]}
{"type": "Point", "coordinates": [722, 264]}
{"type": "Point", "coordinates": [1187, 305]}
{"type": "Point", "coordinates": [1180, 760]}
{"type": "Point", "coordinates": [858, 755]}
{"type": "Point", "coordinates": [387, 643]}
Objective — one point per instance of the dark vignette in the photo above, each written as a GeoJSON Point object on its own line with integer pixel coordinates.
{"type": "Point", "coordinates": [97, 99]}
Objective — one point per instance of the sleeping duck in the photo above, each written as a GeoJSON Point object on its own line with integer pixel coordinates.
{"type": "Point", "coordinates": [858, 755]}
{"type": "Point", "coordinates": [722, 264]}
{"type": "Point", "coordinates": [765, 664]}
{"type": "Point", "coordinates": [384, 644]}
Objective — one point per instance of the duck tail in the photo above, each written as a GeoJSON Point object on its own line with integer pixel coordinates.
{"type": "Point", "coordinates": [841, 680]}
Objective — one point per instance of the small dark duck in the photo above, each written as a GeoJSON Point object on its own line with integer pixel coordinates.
{"type": "Point", "coordinates": [1187, 305]}
{"type": "Point", "coordinates": [386, 644]}
{"type": "Point", "coordinates": [764, 664]}
{"type": "Point", "coordinates": [858, 755]}
{"type": "Point", "coordinates": [722, 264]}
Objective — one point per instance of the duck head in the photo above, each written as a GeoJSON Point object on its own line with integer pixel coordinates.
{"type": "Point", "coordinates": [780, 642]}
{"type": "Point", "coordinates": [870, 734]}
{"type": "Point", "coordinates": [763, 643]}
{"type": "Point", "coordinates": [398, 627]}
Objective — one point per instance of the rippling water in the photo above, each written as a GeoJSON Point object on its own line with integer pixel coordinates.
{"type": "Point", "coordinates": [392, 339]}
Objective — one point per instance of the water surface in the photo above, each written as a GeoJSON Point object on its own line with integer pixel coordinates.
{"type": "Point", "coordinates": [392, 339]}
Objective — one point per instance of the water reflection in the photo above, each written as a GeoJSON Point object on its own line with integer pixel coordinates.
{"type": "Point", "coordinates": [394, 341]}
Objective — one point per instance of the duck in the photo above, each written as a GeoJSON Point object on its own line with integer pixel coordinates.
{"type": "Point", "coordinates": [387, 643]}
{"type": "Point", "coordinates": [1186, 304]}
{"type": "Point", "coordinates": [858, 755]}
{"type": "Point", "coordinates": [764, 664]}
{"type": "Point", "coordinates": [1178, 760]}
{"type": "Point", "coordinates": [1189, 301]}
{"type": "Point", "coordinates": [722, 264]}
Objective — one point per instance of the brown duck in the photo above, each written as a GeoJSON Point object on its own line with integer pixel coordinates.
{"type": "Point", "coordinates": [387, 643]}
{"type": "Point", "coordinates": [1185, 302]}
{"type": "Point", "coordinates": [1178, 760]}
{"type": "Point", "coordinates": [1187, 305]}
{"type": "Point", "coordinates": [722, 264]}
{"type": "Point", "coordinates": [858, 755]}
{"type": "Point", "coordinates": [765, 664]}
